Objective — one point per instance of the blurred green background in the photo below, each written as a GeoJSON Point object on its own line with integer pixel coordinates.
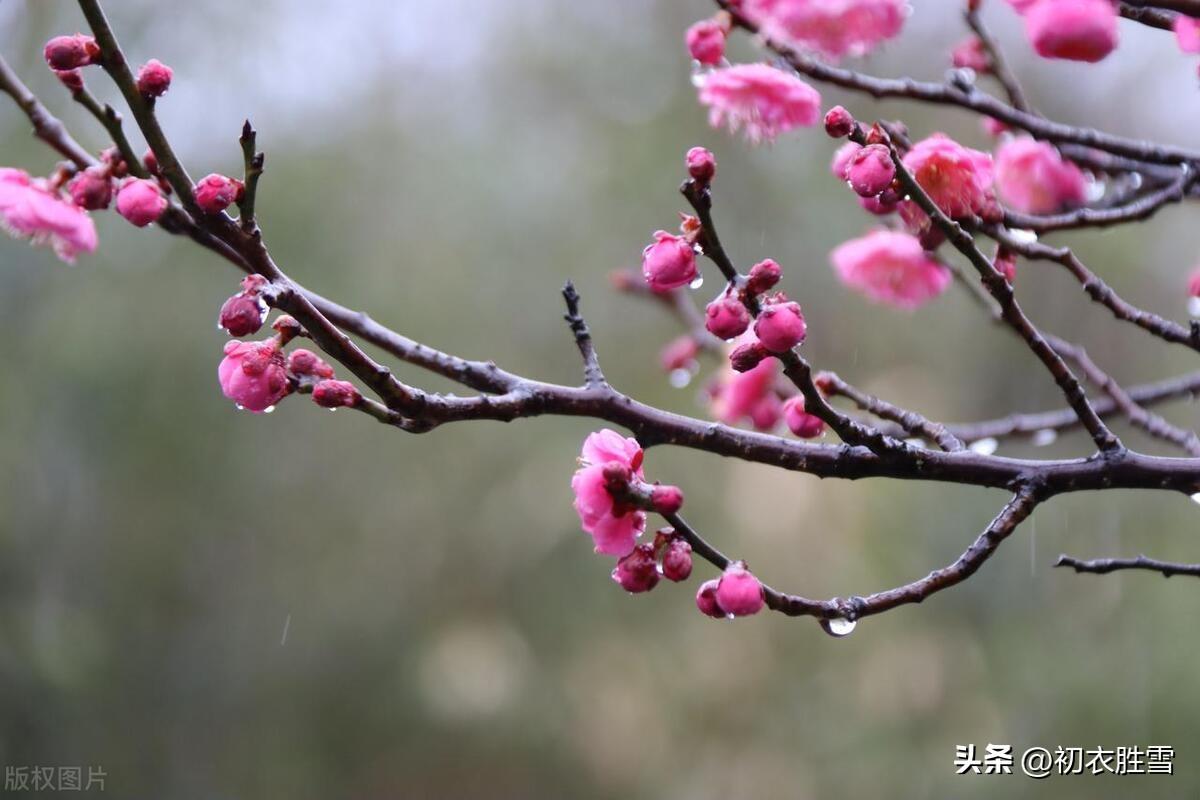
{"type": "Point", "coordinates": [215, 604]}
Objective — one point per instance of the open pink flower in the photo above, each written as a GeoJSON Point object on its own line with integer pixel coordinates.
{"type": "Point", "coordinates": [749, 395]}
{"type": "Point", "coordinates": [890, 267]}
{"type": "Point", "coordinates": [958, 179]}
{"type": "Point", "coordinates": [758, 99]}
{"type": "Point", "coordinates": [1076, 30]}
{"type": "Point", "coordinates": [252, 374]}
{"type": "Point", "coordinates": [1187, 33]}
{"type": "Point", "coordinates": [832, 28]}
{"type": "Point", "coordinates": [1032, 176]}
{"type": "Point", "coordinates": [614, 529]}
{"type": "Point", "coordinates": [29, 209]}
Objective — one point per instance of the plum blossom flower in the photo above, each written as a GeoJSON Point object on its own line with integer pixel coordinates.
{"type": "Point", "coordinates": [1076, 30]}
{"type": "Point", "coordinates": [758, 99]}
{"type": "Point", "coordinates": [890, 267]}
{"type": "Point", "coordinates": [30, 209]}
{"type": "Point", "coordinates": [832, 28]}
{"type": "Point", "coordinates": [706, 41]}
{"type": "Point", "coordinates": [737, 396]}
{"type": "Point", "coordinates": [1032, 176]}
{"type": "Point", "coordinates": [252, 374]}
{"type": "Point", "coordinates": [669, 263]}
{"type": "Point", "coordinates": [958, 179]}
{"type": "Point", "coordinates": [613, 527]}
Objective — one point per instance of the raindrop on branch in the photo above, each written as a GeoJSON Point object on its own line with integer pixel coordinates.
{"type": "Point", "coordinates": [838, 626]}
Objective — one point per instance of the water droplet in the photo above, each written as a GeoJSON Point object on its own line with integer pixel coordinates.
{"type": "Point", "coordinates": [696, 284]}
{"type": "Point", "coordinates": [915, 442]}
{"type": "Point", "coordinates": [1044, 437]}
{"type": "Point", "coordinates": [1196, 498]}
{"type": "Point", "coordinates": [838, 626]}
{"type": "Point", "coordinates": [985, 447]}
{"type": "Point", "coordinates": [1095, 191]}
{"type": "Point", "coordinates": [680, 378]}
{"type": "Point", "coordinates": [239, 406]}
{"type": "Point", "coordinates": [268, 409]}
{"type": "Point", "coordinates": [1023, 236]}
{"type": "Point", "coordinates": [1193, 306]}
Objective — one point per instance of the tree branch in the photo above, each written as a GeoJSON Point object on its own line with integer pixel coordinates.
{"type": "Point", "coordinates": [1103, 566]}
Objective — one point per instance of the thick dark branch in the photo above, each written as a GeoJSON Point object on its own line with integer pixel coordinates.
{"type": "Point", "coordinates": [963, 97]}
{"type": "Point", "coordinates": [1151, 17]}
{"type": "Point", "coordinates": [1103, 566]}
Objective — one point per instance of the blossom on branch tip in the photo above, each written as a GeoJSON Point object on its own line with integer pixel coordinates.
{"type": "Point", "coordinates": [726, 317]}
{"type": "Point", "coordinates": [701, 164]}
{"type": "Point", "coordinates": [780, 325]}
{"type": "Point", "coordinates": [1032, 176]}
{"type": "Point", "coordinates": [154, 79]}
{"type": "Point", "coordinates": [739, 593]}
{"type": "Point", "coordinates": [244, 313]}
{"type": "Point", "coordinates": [252, 374]}
{"type": "Point", "coordinates": [1076, 30]}
{"type": "Point", "coordinates": [140, 201]}
{"type": "Point", "coordinates": [706, 41]}
{"type": "Point", "coordinates": [799, 421]}
{"type": "Point", "coordinates": [71, 52]}
{"type": "Point", "coordinates": [956, 178]}
{"type": "Point", "coordinates": [614, 526]}
{"type": "Point", "coordinates": [890, 267]}
{"type": "Point", "coordinates": [637, 572]}
{"type": "Point", "coordinates": [214, 193]}
{"type": "Point", "coordinates": [336, 394]}
{"type": "Point", "coordinates": [831, 28]}
{"type": "Point", "coordinates": [30, 209]}
{"type": "Point", "coordinates": [759, 100]}
{"type": "Point", "coordinates": [669, 263]}
{"type": "Point", "coordinates": [91, 188]}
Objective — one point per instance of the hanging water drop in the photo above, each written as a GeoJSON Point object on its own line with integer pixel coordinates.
{"type": "Point", "coordinates": [268, 409]}
{"type": "Point", "coordinates": [1196, 498]}
{"type": "Point", "coordinates": [1044, 437]}
{"type": "Point", "coordinates": [985, 447]}
{"type": "Point", "coordinates": [680, 378]}
{"type": "Point", "coordinates": [838, 626]}
{"type": "Point", "coordinates": [696, 284]}
{"type": "Point", "coordinates": [1193, 306]}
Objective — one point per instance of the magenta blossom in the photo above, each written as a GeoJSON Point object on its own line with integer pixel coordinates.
{"type": "Point", "coordinates": [252, 374]}
{"type": "Point", "coordinates": [1077, 30]}
{"type": "Point", "coordinates": [832, 28]}
{"type": "Point", "coordinates": [738, 396]}
{"type": "Point", "coordinates": [758, 99]}
{"type": "Point", "coordinates": [669, 263]}
{"type": "Point", "coordinates": [870, 170]}
{"type": "Point", "coordinates": [29, 209]}
{"type": "Point", "coordinates": [1032, 177]}
{"type": "Point", "coordinates": [958, 179]}
{"type": "Point", "coordinates": [1187, 33]}
{"type": "Point", "coordinates": [890, 267]}
{"type": "Point", "coordinates": [706, 41]}
{"type": "Point", "coordinates": [613, 527]}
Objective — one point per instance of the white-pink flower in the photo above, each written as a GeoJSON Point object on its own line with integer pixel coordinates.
{"type": "Point", "coordinates": [759, 100]}
{"type": "Point", "coordinates": [1032, 176]}
{"type": "Point", "coordinates": [613, 528]}
{"type": "Point", "coordinates": [30, 209]}
{"type": "Point", "coordinates": [832, 28]}
{"type": "Point", "coordinates": [890, 267]}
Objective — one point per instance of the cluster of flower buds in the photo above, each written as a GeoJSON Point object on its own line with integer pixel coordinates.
{"type": "Point", "coordinates": [257, 375]}
{"type": "Point", "coordinates": [737, 593]}
{"type": "Point", "coordinates": [670, 557]}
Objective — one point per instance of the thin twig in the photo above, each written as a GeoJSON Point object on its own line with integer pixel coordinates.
{"type": "Point", "coordinates": [1103, 566]}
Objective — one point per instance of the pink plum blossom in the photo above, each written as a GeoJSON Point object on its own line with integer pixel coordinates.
{"type": "Point", "coordinates": [1032, 176]}
{"type": "Point", "coordinates": [958, 179]}
{"type": "Point", "coordinates": [758, 99]}
{"type": "Point", "coordinates": [1187, 33]}
{"type": "Point", "coordinates": [870, 170]}
{"type": "Point", "coordinates": [252, 374]}
{"type": "Point", "coordinates": [737, 396]}
{"type": "Point", "coordinates": [831, 28]}
{"type": "Point", "coordinates": [739, 593]}
{"type": "Point", "coordinates": [890, 267]}
{"type": "Point", "coordinates": [30, 209]}
{"type": "Point", "coordinates": [64, 53]}
{"type": "Point", "coordinates": [336, 394]}
{"type": "Point", "coordinates": [706, 600]}
{"type": "Point", "coordinates": [842, 157]}
{"type": "Point", "coordinates": [669, 263]}
{"type": "Point", "coordinates": [614, 529]}
{"type": "Point", "coordinates": [1076, 30]}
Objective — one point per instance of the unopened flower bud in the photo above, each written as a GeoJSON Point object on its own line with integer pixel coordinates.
{"type": "Point", "coordinates": [726, 317]}
{"type": "Point", "coordinates": [763, 276]}
{"type": "Point", "coordinates": [637, 572]}
{"type": "Point", "coordinates": [214, 193]}
{"type": "Point", "coordinates": [701, 164]}
{"type": "Point", "coordinates": [91, 189]}
{"type": "Point", "coordinates": [287, 327]}
{"type": "Point", "coordinates": [838, 122]}
{"type": "Point", "coordinates": [706, 41]}
{"type": "Point", "coordinates": [242, 315]}
{"type": "Point", "coordinates": [1005, 263]}
{"type": "Point", "coordinates": [799, 421]}
{"type": "Point", "coordinates": [780, 325]}
{"type": "Point", "coordinates": [871, 170]}
{"type": "Point", "coordinates": [306, 362]}
{"type": "Point", "coordinates": [677, 561]}
{"type": "Point", "coordinates": [706, 600]}
{"type": "Point", "coordinates": [150, 162]}
{"type": "Point", "coordinates": [738, 592]}
{"type": "Point", "coordinates": [71, 52]}
{"type": "Point", "coordinates": [140, 201]}
{"type": "Point", "coordinates": [153, 79]}
{"type": "Point", "coordinates": [746, 357]}
{"type": "Point", "coordinates": [669, 263]}
{"type": "Point", "coordinates": [666, 500]}
{"type": "Point", "coordinates": [336, 394]}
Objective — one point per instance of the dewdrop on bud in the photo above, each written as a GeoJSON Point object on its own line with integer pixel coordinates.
{"type": "Point", "coordinates": [738, 592]}
{"type": "Point", "coordinates": [838, 122]}
{"type": "Point", "coordinates": [763, 276]}
{"type": "Point", "coordinates": [336, 394]}
{"type": "Point", "coordinates": [637, 572]}
{"type": "Point", "coordinates": [677, 561]}
{"type": "Point", "coordinates": [726, 317]}
{"type": "Point", "coordinates": [153, 79]}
